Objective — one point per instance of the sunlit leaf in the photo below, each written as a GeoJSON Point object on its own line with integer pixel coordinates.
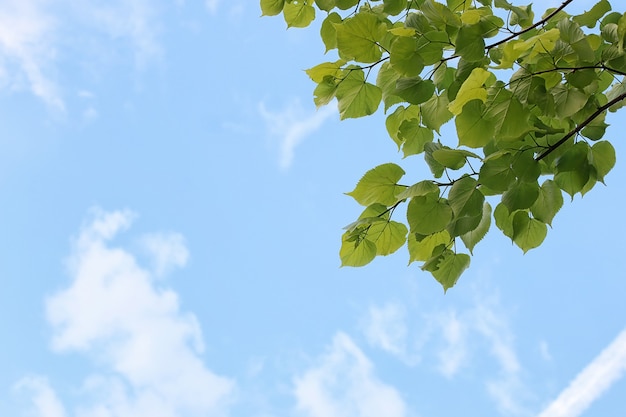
{"type": "Point", "coordinates": [378, 185]}
{"type": "Point", "coordinates": [450, 268]}
{"type": "Point", "coordinates": [358, 37]}
{"type": "Point", "coordinates": [356, 97]}
{"type": "Point", "coordinates": [427, 215]}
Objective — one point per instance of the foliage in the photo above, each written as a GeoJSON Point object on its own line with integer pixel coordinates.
{"type": "Point", "coordinates": [528, 99]}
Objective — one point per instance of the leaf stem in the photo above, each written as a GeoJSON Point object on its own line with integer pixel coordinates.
{"type": "Point", "coordinates": [581, 126]}
{"type": "Point", "coordinates": [539, 23]}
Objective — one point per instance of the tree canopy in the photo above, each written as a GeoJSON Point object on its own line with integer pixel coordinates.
{"type": "Point", "coordinates": [527, 96]}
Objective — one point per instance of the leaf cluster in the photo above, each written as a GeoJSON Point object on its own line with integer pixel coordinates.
{"type": "Point", "coordinates": [527, 96]}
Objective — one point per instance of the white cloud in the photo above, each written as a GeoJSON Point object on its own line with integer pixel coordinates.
{"type": "Point", "coordinates": [44, 401]}
{"type": "Point", "coordinates": [292, 125]}
{"type": "Point", "coordinates": [507, 389]}
{"type": "Point", "coordinates": [133, 20]}
{"type": "Point", "coordinates": [450, 340]}
{"type": "Point", "coordinates": [589, 385]}
{"type": "Point", "coordinates": [27, 50]}
{"type": "Point", "coordinates": [544, 351]}
{"type": "Point", "coordinates": [385, 328]}
{"type": "Point", "coordinates": [344, 384]}
{"type": "Point", "coordinates": [32, 32]}
{"type": "Point", "coordinates": [168, 251]}
{"type": "Point", "coordinates": [454, 355]}
{"type": "Point", "coordinates": [113, 311]}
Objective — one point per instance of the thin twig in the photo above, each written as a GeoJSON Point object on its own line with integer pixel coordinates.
{"type": "Point", "coordinates": [581, 126]}
{"type": "Point", "coordinates": [539, 23]}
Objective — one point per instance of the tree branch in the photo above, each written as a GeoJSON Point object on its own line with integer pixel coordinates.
{"type": "Point", "coordinates": [581, 126]}
{"type": "Point", "coordinates": [539, 23]}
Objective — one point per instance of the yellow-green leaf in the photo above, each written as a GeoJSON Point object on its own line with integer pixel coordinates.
{"type": "Point", "coordinates": [298, 13]}
{"type": "Point", "coordinates": [473, 88]}
{"type": "Point", "coordinates": [356, 97]}
{"type": "Point", "coordinates": [528, 233]}
{"type": "Point", "coordinates": [356, 253]}
{"type": "Point", "coordinates": [358, 37]}
{"type": "Point", "coordinates": [379, 185]}
{"type": "Point", "coordinates": [272, 7]}
{"type": "Point", "coordinates": [422, 249]}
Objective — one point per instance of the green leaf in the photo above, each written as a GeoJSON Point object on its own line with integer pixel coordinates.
{"type": "Point", "coordinates": [325, 69]}
{"type": "Point", "coordinates": [450, 158]}
{"type": "Point", "coordinates": [356, 253]}
{"type": "Point", "coordinates": [504, 220]}
{"type": "Point", "coordinates": [386, 80]}
{"type": "Point", "coordinates": [421, 188]}
{"type": "Point", "coordinates": [466, 202]}
{"type": "Point", "coordinates": [328, 31]}
{"type": "Point", "coordinates": [528, 233]}
{"type": "Point", "coordinates": [358, 37]}
{"type": "Point", "coordinates": [521, 195]}
{"type": "Point", "coordinates": [450, 268]}
{"type": "Point", "coordinates": [603, 155]}
{"type": "Point", "coordinates": [394, 7]}
{"type": "Point", "coordinates": [388, 236]}
{"type": "Point", "coordinates": [596, 129]}
{"type": "Point", "coordinates": [470, 44]}
{"type": "Point", "coordinates": [356, 97]}
{"type": "Point", "coordinates": [439, 14]}
{"type": "Point", "coordinates": [548, 203]}
{"type": "Point", "coordinates": [298, 13]}
{"type": "Point", "coordinates": [473, 129]}
{"type": "Point", "coordinates": [346, 4]}
{"type": "Point", "coordinates": [435, 167]}
{"type": "Point", "coordinates": [509, 116]}
{"type": "Point", "coordinates": [525, 167]}
{"type": "Point", "coordinates": [379, 185]}
{"type": "Point", "coordinates": [568, 101]}
{"type": "Point", "coordinates": [593, 16]}
{"type": "Point", "coordinates": [272, 7]}
{"type": "Point", "coordinates": [405, 58]}
{"type": "Point", "coordinates": [473, 88]}
{"type": "Point", "coordinates": [471, 238]}
{"type": "Point", "coordinates": [395, 119]}
{"type": "Point", "coordinates": [421, 247]}
{"type": "Point", "coordinates": [325, 91]}
{"type": "Point", "coordinates": [572, 169]}
{"type": "Point", "coordinates": [415, 90]}
{"type": "Point", "coordinates": [414, 137]}
{"type": "Point", "coordinates": [427, 215]}
{"type": "Point", "coordinates": [326, 5]}
{"type": "Point", "coordinates": [430, 46]}
{"type": "Point", "coordinates": [521, 16]}
{"type": "Point", "coordinates": [435, 112]}
{"type": "Point", "coordinates": [496, 173]}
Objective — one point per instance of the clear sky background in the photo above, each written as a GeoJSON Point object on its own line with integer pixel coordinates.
{"type": "Point", "coordinates": [172, 206]}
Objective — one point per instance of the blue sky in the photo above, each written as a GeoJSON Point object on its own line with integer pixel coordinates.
{"type": "Point", "coordinates": [170, 224]}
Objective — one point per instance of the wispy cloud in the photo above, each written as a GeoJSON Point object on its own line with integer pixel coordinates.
{"type": "Point", "coordinates": [136, 21]}
{"type": "Point", "coordinates": [114, 312]}
{"type": "Point", "coordinates": [589, 385]}
{"type": "Point", "coordinates": [386, 328]}
{"type": "Point", "coordinates": [33, 34]}
{"type": "Point", "coordinates": [292, 125]}
{"type": "Point", "coordinates": [44, 401]}
{"type": "Point", "coordinates": [455, 333]}
{"type": "Point", "coordinates": [27, 49]}
{"type": "Point", "coordinates": [452, 340]}
{"type": "Point", "coordinates": [167, 250]}
{"type": "Point", "coordinates": [343, 384]}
